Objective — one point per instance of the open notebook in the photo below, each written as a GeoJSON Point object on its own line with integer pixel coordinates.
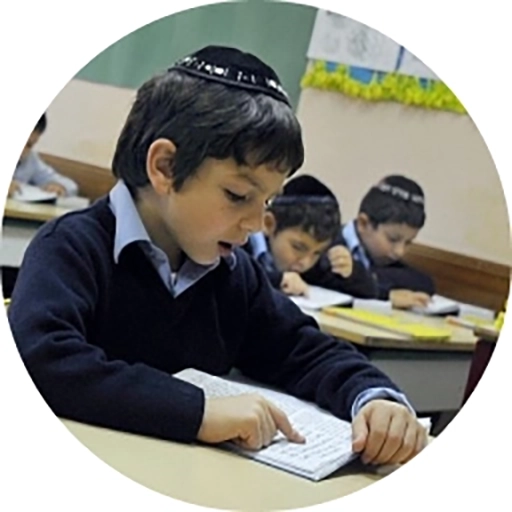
{"type": "Point", "coordinates": [319, 298]}
{"type": "Point", "coordinates": [328, 444]}
{"type": "Point", "coordinates": [31, 194]}
{"type": "Point", "coordinates": [438, 305]}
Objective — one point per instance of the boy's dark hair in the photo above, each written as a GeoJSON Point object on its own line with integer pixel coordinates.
{"type": "Point", "coordinates": [209, 117]}
{"type": "Point", "coordinates": [309, 205]}
{"type": "Point", "coordinates": [395, 200]}
{"type": "Point", "coordinates": [41, 124]}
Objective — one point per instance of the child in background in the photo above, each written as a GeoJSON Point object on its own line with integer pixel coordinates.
{"type": "Point", "coordinates": [298, 228]}
{"type": "Point", "coordinates": [33, 171]}
{"type": "Point", "coordinates": [390, 216]}
{"type": "Point", "coordinates": [113, 300]}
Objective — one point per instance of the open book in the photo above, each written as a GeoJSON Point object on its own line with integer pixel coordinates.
{"type": "Point", "coordinates": [438, 305]}
{"type": "Point", "coordinates": [31, 194]}
{"type": "Point", "coordinates": [319, 298]}
{"type": "Point", "coordinates": [328, 444]}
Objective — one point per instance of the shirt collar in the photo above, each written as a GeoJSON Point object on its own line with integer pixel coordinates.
{"type": "Point", "coordinates": [259, 244]}
{"type": "Point", "coordinates": [354, 244]}
{"type": "Point", "coordinates": [351, 237]}
{"type": "Point", "coordinates": [131, 229]}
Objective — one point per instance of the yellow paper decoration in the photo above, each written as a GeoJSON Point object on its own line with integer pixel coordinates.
{"type": "Point", "coordinates": [393, 87]}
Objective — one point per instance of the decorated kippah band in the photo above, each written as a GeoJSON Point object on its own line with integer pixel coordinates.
{"type": "Point", "coordinates": [233, 76]}
{"type": "Point", "coordinates": [400, 192]}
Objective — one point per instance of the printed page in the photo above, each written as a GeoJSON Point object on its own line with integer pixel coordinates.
{"type": "Point", "coordinates": [216, 387]}
{"type": "Point", "coordinates": [31, 194]}
{"type": "Point", "coordinates": [328, 439]}
{"type": "Point", "coordinates": [319, 298]}
{"type": "Point", "coordinates": [328, 446]}
{"type": "Point", "coordinates": [438, 306]}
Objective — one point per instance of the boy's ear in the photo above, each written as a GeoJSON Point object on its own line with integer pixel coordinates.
{"type": "Point", "coordinates": [159, 165]}
{"type": "Point", "coordinates": [269, 224]}
{"type": "Point", "coordinates": [363, 222]}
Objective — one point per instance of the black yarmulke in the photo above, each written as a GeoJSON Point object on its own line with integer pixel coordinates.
{"type": "Point", "coordinates": [235, 68]}
{"type": "Point", "coordinates": [306, 188]}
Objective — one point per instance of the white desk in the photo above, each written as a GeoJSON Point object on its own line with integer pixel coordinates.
{"type": "Point", "coordinates": [210, 477]}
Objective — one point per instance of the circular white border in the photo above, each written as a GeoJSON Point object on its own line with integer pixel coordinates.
{"type": "Point", "coordinates": [45, 44]}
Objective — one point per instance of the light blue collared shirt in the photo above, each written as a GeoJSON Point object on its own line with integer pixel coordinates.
{"type": "Point", "coordinates": [259, 244]}
{"type": "Point", "coordinates": [34, 171]}
{"type": "Point", "coordinates": [354, 245]}
{"type": "Point", "coordinates": [132, 230]}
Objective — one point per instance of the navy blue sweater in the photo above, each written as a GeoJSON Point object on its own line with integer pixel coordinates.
{"type": "Point", "coordinates": [374, 283]}
{"type": "Point", "coordinates": [359, 284]}
{"type": "Point", "coordinates": [101, 340]}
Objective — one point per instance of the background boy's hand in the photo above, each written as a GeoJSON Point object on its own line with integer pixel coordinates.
{"type": "Point", "coordinates": [249, 420]}
{"type": "Point", "coordinates": [56, 188]}
{"type": "Point", "coordinates": [293, 284]}
{"type": "Point", "coordinates": [341, 261]}
{"type": "Point", "coordinates": [13, 188]}
{"type": "Point", "coordinates": [405, 299]}
{"type": "Point", "coordinates": [384, 432]}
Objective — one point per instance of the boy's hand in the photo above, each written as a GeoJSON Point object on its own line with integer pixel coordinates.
{"type": "Point", "coordinates": [405, 299]}
{"type": "Point", "coordinates": [13, 188]}
{"type": "Point", "coordinates": [293, 284]}
{"type": "Point", "coordinates": [249, 420]}
{"type": "Point", "coordinates": [384, 432]}
{"type": "Point", "coordinates": [56, 188]}
{"type": "Point", "coordinates": [341, 261]}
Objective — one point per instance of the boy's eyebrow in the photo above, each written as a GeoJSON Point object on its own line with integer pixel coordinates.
{"type": "Point", "coordinates": [252, 181]}
{"type": "Point", "coordinates": [255, 183]}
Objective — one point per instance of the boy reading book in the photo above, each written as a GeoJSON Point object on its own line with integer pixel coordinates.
{"type": "Point", "coordinates": [33, 171]}
{"type": "Point", "coordinates": [299, 227]}
{"type": "Point", "coordinates": [112, 300]}
{"type": "Point", "coordinates": [390, 217]}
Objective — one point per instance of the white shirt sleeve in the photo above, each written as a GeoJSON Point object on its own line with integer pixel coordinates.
{"type": "Point", "coordinates": [42, 174]}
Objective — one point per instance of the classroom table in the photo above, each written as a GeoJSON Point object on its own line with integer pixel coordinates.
{"type": "Point", "coordinates": [36, 212]}
{"type": "Point", "coordinates": [433, 374]}
{"type": "Point", "coordinates": [211, 477]}
{"type": "Point", "coordinates": [19, 225]}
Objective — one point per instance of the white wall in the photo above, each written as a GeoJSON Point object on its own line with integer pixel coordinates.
{"type": "Point", "coordinates": [350, 144]}
{"type": "Point", "coordinates": [84, 122]}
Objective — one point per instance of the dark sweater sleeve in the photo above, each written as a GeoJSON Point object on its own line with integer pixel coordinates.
{"type": "Point", "coordinates": [286, 349]}
{"type": "Point", "coordinates": [360, 283]}
{"type": "Point", "coordinates": [401, 276]}
{"type": "Point", "coordinates": [58, 293]}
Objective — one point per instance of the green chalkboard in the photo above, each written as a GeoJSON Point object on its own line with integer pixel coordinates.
{"type": "Point", "coordinates": [278, 33]}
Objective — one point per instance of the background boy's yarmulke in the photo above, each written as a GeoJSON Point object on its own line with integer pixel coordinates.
{"type": "Point", "coordinates": [307, 185]}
